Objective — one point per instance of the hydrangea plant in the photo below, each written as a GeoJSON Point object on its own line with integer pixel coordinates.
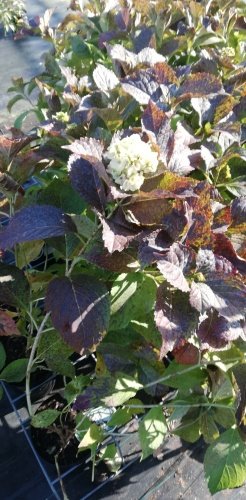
{"type": "Point", "coordinates": [140, 155]}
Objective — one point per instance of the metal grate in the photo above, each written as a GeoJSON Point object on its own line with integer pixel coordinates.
{"type": "Point", "coordinates": [49, 473]}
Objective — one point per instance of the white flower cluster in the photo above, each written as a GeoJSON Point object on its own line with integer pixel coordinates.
{"type": "Point", "coordinates": [130, 160]}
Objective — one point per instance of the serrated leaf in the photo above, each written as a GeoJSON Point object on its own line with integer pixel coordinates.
{"type": "Point", "coordinates": [183, 381]}
{"type": "Point", "coordinates": [104, 78]}
{"type": "Point", "coordinates": [239, 372]}
{"type": "Point", "coordinates": [225, 462]}
{"type": "Point", "coordinates": [216, 331]}
{"type": "Point", "coordinates": [174, 263]}
{"type": "Point", "coordinates": [36, 222]}
{"type": "Point", "coordinates": [189, 429]}
{"type": "Point", "coordinates": [14, 287]}
{"type": "Point", "coordinates": [117, 234]}
{"type": "Point", "coordinates": [79, 310]}
{"type": "Point", "coordinates": [27, 252]}
{"type": "Point", "coordinates": [174, 318]}
{"type": "Point", "coordinates": [141, 86]}
{"type": "Point", "coordinates": [86, 175]}
{"type": "Point", "coordinates": [44, 418]}
{"type": "Point", "coordinates": [152, 431]}
{"type": "Point", "coordinates": [221, 292]}
{"type": "Point", "coordinates": [87, 146]}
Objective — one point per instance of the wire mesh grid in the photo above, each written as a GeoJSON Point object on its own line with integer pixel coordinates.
{"type": "Point", "coordinates": [50, 475]}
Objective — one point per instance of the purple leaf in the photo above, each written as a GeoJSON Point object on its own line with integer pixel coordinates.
{"type": "Point", "coordinates": [116, 262]}
{"type": "Point", "coordinates": [86, 146]}
{"type": "Point", "coordinates": [117, 233]}
{"type": "Point", "coordinates": [174, 147]}
{"type": "Point", "coordinates": [86, 174]}
{"type": "Point", "coordinates": [199, 85]}
{"type": "Point", "coordinates": [36, 222]}
{"type": "Point", "coordinates": [176, 260]}
{"type": "Point", "coordinates": [238, 211]}
{"type": "Point", "coordinates": [174, 317]}
{"type": "Point", "coordinates": [215, 332]}
{"type": "Point", "coordinates": [79, 310]}
{"type": "Point", "coordinates": [220, 292]}
{"type": "Point", "coordinates": [142, 86]}
{"type": "Point", "coordinates": [208, 262]}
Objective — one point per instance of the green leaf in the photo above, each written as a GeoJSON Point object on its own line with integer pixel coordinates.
{"type": "Point", "coordinates": [152, 430]}
{"type": "Point", "coordinates": [22, 117]}
{"type": "Point", "coordinates": [110, 455]}
{"type": "Point", "coordinates": [82, 425]}
{"type": "Point", "coordinates": [225, 462]}
{"type": "Point", "coordinates": [12, 101]}
{"type": "Point", "coordinates": [180, 377]}
{"type": "Point", "coordinates": [15, 371]}
{"type": "Point", "coordinates": [62, 195]}
{"type": "Point", "coordinates": [2, 356]}
{"type": "Point", "coordinates": [120, 417]}
{"type": "Point", "coordinates": [209, 429]}
{"type": "Point", "coordinates": [226, 359]}
{"type": "Point", "coordinates": [189, 430]}
{"type": "Point", "coordinates": [28, 251]}
{"type": "Point", "coordinates": [75, 387]}
{"type": "Point", "coordinates": [225, 417]}
{"type": "Point", "coordinates": [123, 388]}
{"type": "Point", "coordinates": [92, 438]}
{"type": "Point", "coordinates": [56, 352]}
{"type": "Point", "coordinates": [124, 415]}
{"type": "Point", "coordinates": [132, 296]}
{"type": "Point", "coordinates": [14, 287]}
{"type": "Point", "coordinates": [44, 418]}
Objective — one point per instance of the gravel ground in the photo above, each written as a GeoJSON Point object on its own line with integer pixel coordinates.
{"type": "Point", "coordinates": [24, 58]}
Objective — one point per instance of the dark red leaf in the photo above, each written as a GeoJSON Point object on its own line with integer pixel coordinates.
{"type": "Point", "coordinates": [148, 209]}
{"type": "Point", "coordinates": [7, 325]}
{"type": "Point", "coordinates": [79, 310]}
{"type": "Point", "coordinates": [36, 222]}
{"type": "Point", "coordinates": [186, 353]}
{"type": "Point", "coordinates": [199, 232]}
{"type": "Point", "coordinates": [222, 245]}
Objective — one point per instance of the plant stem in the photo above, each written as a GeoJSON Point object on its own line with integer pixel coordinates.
{"type": "Point", "coordinates": [30, 363]}
{"type": "Point", "coordinates": [65, 497]}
